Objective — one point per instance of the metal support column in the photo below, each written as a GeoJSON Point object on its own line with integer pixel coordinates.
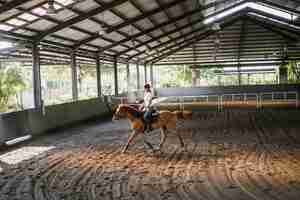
{"type": "Point", "coordinates": [145, 73]}
{"type": "Point", "coordinates": [98, 67]}
{"type": "Point", "coordinates": [138, 76]}
{"type": "Point", "coordinates": [242, 32]}
{"type": "Point", "coordinates": [37, 77]}
{"type": "Point", "coordinates": [74, 76]}
{"type": "Point", "coordinates": [151, 75]}
{"type": "Point", "coordinates": [116, 75]}
{"type": "Point", "coordinates": [128, 77]}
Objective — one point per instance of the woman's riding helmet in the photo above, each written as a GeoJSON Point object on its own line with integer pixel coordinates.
{"type": "Point", "coordinates": [147, 86]}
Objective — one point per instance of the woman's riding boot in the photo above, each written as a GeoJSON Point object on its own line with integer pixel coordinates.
{"type": "Point", "coordinates": [148, 128]}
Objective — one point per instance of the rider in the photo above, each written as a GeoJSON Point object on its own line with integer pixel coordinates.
{"type": "Point", "coordinates": [147, 107]}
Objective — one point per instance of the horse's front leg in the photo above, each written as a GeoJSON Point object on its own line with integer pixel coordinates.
{"type": "Point", "coordinates": [131, 137]}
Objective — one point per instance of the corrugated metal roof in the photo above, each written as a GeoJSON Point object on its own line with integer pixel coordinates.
{"type": "Point", "coordinates": [158, 24]}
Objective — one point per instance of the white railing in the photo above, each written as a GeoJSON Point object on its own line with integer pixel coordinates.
{"type": "Point", "coordinates": [221, 100]}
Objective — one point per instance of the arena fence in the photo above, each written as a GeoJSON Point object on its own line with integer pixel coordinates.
{"type": "Point", "coordinates": [244, 100]}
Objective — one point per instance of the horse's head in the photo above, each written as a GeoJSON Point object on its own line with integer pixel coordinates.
{"type": "Point", "coordinates": [119, 112]}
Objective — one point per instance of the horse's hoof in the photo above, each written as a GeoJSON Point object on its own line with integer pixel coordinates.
{"type": "Point", "coordinates": [157, 151]}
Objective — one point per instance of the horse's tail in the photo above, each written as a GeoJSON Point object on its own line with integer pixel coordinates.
{"type": "Point", "coordinates": [186, 114]}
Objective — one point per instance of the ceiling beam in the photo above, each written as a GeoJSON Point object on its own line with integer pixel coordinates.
{"type": "Point", "coordinates": [241, 65]}
{"type": "Point", "coordinates": [223, 62]}
{"type": "Point", "coordinates": [144, 15]}
{"type": "Point", "coordinates": [175, 19]}
{"type": "Point", "coordinates": [11, 5]}
{"type": "Point", "coordinates": [198, 38]}
{"type": "Point", "coordinates": [249, 10]}
{"type": "Point", "coordinates": [273, 23]}
{"type": "Point", "coordinates": [271, 28]}
{"type": "Point", "coordinates": [79, 18]}
{"type": "Point", "coordinates": [169, 17]}
{"type": "Point", "coordinates": [276, 5]}
{"type": "Point", "coordinates": [109, 30]}
{"type": "Point", "coordinates": [273, 16]}
{"type": "Point", "coordinates": [182, 27]}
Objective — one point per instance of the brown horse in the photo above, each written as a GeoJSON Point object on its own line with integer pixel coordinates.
{"type": "Point", "coordinates": [166, 122]}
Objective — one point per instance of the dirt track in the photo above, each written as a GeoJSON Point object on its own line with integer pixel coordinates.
{"type": "Point", "coordinates": [231, 155]}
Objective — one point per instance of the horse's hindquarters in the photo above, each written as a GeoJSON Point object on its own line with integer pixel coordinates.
{"type": "Point", "coordinates": [166, 119]}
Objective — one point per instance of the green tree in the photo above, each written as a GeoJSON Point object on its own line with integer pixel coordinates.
{"type": "Point", "coordinates": [11, 82]}
{"type": "Point", "coordinates": [293, 71]}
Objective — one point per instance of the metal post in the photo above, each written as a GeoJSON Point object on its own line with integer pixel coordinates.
{"type": "Point", "coordinates": [138, 76]}
{"type": "Point", "coordinates": [116, 75]}
{"type": "Point", "coordinates": [260, 99]}
{"type": "Point", "coordinates": [74, 76]}
{"type": "Point", "coordinates": [221, 103]}
{"type": "Point", "coordinates": [151, 75]}
{"type": "Point", "coordinates": [98, 67]}
{"type": "Point", "coordinates": [285, 96]}
{"type": "Point", "coordinates": [128, 77]}
{"type": "Point", "coordinates": [297, 100]}
{"type": "Point", "coordinates": [145, 73]}
{"type": "Point", "coordinates": [38, 103]}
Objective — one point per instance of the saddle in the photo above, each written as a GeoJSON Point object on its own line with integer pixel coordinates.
{"type": "Point", "coordinates": [154, 116]}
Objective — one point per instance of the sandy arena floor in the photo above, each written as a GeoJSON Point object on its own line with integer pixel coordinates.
{"type": "Point", "coordinates": [230, 155]}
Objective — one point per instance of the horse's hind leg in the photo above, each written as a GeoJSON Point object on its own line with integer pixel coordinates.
{"type": "Point", "coordinates": [132, 136]}
{"type": "Point", "coordinates": [148, 144]}
{"type": "Point", "coordinates": [162, 137]}
{"type": "Point", "coordinates": [180, 139]}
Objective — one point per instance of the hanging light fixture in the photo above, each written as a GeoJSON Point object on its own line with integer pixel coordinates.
{"type": "Point", "coordinates": [132, 39]}
{"type": "Point", "coordinates": [51, 9]}
{"type": "Point", "coordinates": [102, 30]}
{"type": "Point", "coordinates": [133, 43]}
{"type": "Point", "coordinates": [215, 26]}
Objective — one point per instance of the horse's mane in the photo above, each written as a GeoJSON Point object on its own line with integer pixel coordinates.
{"type": "Point", "coordinates": [132, 110]}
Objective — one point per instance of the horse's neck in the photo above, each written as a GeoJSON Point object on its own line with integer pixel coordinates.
{"type": "Point", "coordinates": [130, 116]}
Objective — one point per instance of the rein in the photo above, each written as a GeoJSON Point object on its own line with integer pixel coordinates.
{"type": "Point", "coordinates": [134, 112]}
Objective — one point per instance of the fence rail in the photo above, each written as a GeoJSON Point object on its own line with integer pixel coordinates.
{"type": "Point", "coordinates": [221, 100]}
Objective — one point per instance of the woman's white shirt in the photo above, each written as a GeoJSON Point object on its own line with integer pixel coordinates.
{"type": "Point", "coordinates": [147, 100]}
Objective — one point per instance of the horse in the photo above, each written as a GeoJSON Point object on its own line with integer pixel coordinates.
{"type": "Point", "coordinates": [166, 122]}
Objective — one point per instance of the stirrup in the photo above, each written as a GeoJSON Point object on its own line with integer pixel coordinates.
{"type": "Point", "coordinates": [148, 129]}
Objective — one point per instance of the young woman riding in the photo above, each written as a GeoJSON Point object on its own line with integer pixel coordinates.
{"type": "Point", "coordinates": [147, 107]}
